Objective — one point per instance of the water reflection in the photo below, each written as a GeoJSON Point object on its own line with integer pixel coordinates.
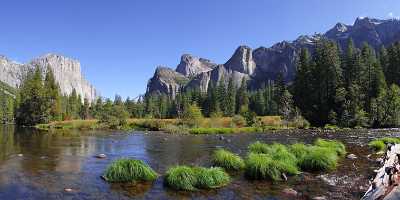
{"type": "Point", "coordinates": [51, 162]}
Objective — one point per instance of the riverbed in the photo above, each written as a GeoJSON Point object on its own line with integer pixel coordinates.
{"type": "Point", "coordinates": [63, 165]}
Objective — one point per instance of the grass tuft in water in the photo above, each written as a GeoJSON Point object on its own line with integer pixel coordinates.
{"type": "Point", "coordinates": [209, 178]}
{"type": "Point", "coordinates": [332, 144]}
{"type": "Point", "coordinates": [380, 144]}
{"type": "Point", "coordinates": [127, 170]}
{"type": "Point", "coordinates": [181, 178]}
{"type": "Point", "coordinates": [264, 166]}
{"type": "Point", "coordinates": [259, 147]}
{"type": "Point", "coordinates": [193, 178]}
{"type": "Point", "coordinates": [318, 159]}
{"type": "Point", "coordinates": [227, 160]}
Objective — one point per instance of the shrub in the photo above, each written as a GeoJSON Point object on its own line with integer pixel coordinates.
{"type": "Point", "coordinates": [193, 178]}
{"type": "Point", "coordinates": [259, 147]}
{"type": "Point", "coordinates": [192, 116]}
{"type": "Point", "coordinates": [238, 121]}
{"type": "Point", "coordinates": [332, 144]}
{"type": "Point", "coordinates": [263, 166]}
{"type": "Point", "coordinates": [318, 159]}
{"type": "Point", "coordinates": [227, 160]}
{"type": "Point", "coordinates": [114, 116]}
{"type": "Point", "coordinates": [213, 177]}
{"type": "Point", "coordinates": [181, 178]}
{"type": "Point", "coordinates": [126, 170]}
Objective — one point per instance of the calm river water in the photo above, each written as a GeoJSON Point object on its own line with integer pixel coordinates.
{"type": "Point", "coordinates": [36, 165]}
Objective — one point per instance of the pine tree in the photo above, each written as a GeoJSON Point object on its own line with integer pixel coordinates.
{"type": "Point", "coordinates": [53, 98]}
{"type": "Point", "coordinates": [32, 108]}
{"type": "Point", "coordinates": [242, 102]}
{"type": "Point", "coordinates": [231, 98]}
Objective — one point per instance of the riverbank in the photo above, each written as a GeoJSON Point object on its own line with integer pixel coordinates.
{"type": "Point", "coordinates": [51, 163]}
{"type": "Point", "coordinates": [223, 125]}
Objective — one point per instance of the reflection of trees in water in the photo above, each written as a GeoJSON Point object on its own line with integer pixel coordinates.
{"type": "Point", "coordinates": [8, 145]}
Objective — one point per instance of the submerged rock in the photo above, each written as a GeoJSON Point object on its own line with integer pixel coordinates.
{"type": "Point", "coordinates": [351, 156]}
{"type": "Point", "coordinates": [101, 156]}
{"type": "Point", "coordinates": [290, 192]}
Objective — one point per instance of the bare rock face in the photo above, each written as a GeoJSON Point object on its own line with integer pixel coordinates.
{"type": "Point", "coordinates": [262, 65]}
{"type": "Point", "coordinates": [167, 81]}
{"type": "Point", "coordinates": [67, 73]}
{"type": "Point", "coordinates": [191, 66]}
{"type": "Point", "coordinates": [242, 61]}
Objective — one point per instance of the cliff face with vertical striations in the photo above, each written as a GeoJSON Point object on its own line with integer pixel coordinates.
{"type": "Point", "coordinates": [67, 73]}
{"type": "Point", "coordinates": [263, 64]}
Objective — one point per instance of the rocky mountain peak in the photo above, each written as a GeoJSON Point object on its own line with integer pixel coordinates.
{"type": "Point", "coordinates": [190, 65]}
{"type": "Point", "coordinates": [242, 60]}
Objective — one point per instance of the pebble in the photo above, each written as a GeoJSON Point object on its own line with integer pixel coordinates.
{"type": "Point", "coordinates": [289, 192]}
{"type": "Point", "coordinates": [319, 198]}
{"type": "Point", "coordinates": [68, 190]}
{"type": "Point", "coordinates": [351, 156]}
{"type": "Point", "coordinates": [20, 155]}
{"type": "Point", "coordinates": [101, 156]}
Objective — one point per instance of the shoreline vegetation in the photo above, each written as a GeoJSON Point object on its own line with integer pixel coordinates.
{"type": "Point", "coordinates": [222, 125]}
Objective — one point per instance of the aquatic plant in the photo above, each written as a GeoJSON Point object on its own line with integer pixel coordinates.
{"type": "Point", "coordinates": [181, 178]}
{"type": "Point", "coordinates": [377, 145]}
{"type": "Point", "coordinates": [127, 170]}
{"type": "Point", "coordinates": [299, 150]}
{"type": "Point", "coordinates": [332, 144]}
{"type": "Point", "coordinates": [318, 159]}
{"type": "Point", "coordinates": [259, 147]}
{"type": "Point", "coordinates": [227, 160]}
{"type": "Point", "coordinates": [208, 178]}
{"type": "Point", "coordinates": [193, 178]}
{"type": "Point", "coordinates": [263, 166]}
{"type": "Point", "coordinates": [380, 144]}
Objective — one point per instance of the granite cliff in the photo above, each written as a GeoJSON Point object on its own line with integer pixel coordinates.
{"type": "Point", "coordinates": [262, 65]}
{"type": "Point", "coordinates": [67, 73]}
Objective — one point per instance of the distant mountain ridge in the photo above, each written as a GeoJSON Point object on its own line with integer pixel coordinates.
{"type": "Point", "coordinates": [67, 73]}
{"type": "Point", "coordinates": [262, 65]}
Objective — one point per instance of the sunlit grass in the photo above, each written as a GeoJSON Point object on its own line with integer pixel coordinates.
{"type": "Point", "coordinates": [381, 143]}
{"type": "Point", "coordinates": [263, 166]}
{"type": "Point", "coordinates": [193, 178]}
{"type": "Point", "coordinates": [227, 160]}
{"type": "Point", "coordinates": [127, 170]}
{"type": "Point", "coordinates": [181, 178]}
{"type": "Point", "coordinates": [332, 144]}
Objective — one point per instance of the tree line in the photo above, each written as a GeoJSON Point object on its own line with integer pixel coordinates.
{"type": "Point", "coordinates": [348, 88]}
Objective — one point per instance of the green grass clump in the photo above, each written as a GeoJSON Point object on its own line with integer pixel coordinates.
{"type": "Point", "coordinates": [211, 131]}
{"type": "Point", "coordinates": [264, 166]}
{"type": "Point", "coordinates": [181, 178]}
{"type": "Point", "coordinates": [227, 160]}
{"type": "Point", "coordinates": [209, 178]}
{"type": "Point", "coordinates": [126, 170]}
{"type": "Point", "coordinates": [380, 144]}
{"type": "Point", "coordinates": [299, 150]}
{"type": "Point", "coordinates": [259, 147]}
{"type": "Point", "coordinates": [193, 178]}
{"type": "Point", "coordinates": [318, 159]}
{"type": "Point", "coordinates": [332, 144]}
{"type": "Point", "coordinates": [377, 145]}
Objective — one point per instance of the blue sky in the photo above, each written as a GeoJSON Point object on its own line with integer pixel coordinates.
{"type": "Point", "coordinates": [120, 42]}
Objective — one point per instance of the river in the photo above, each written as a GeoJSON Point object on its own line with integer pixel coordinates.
{"type": "Point", "coordinates": [35, 165]}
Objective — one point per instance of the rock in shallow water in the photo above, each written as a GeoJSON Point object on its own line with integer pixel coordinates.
{"type": "Point", "coordinates": [290, 192]}
{"type": "Point", "coordinates": [351, 156]}
{"type": "Point", "coordinates": [101, 156]}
